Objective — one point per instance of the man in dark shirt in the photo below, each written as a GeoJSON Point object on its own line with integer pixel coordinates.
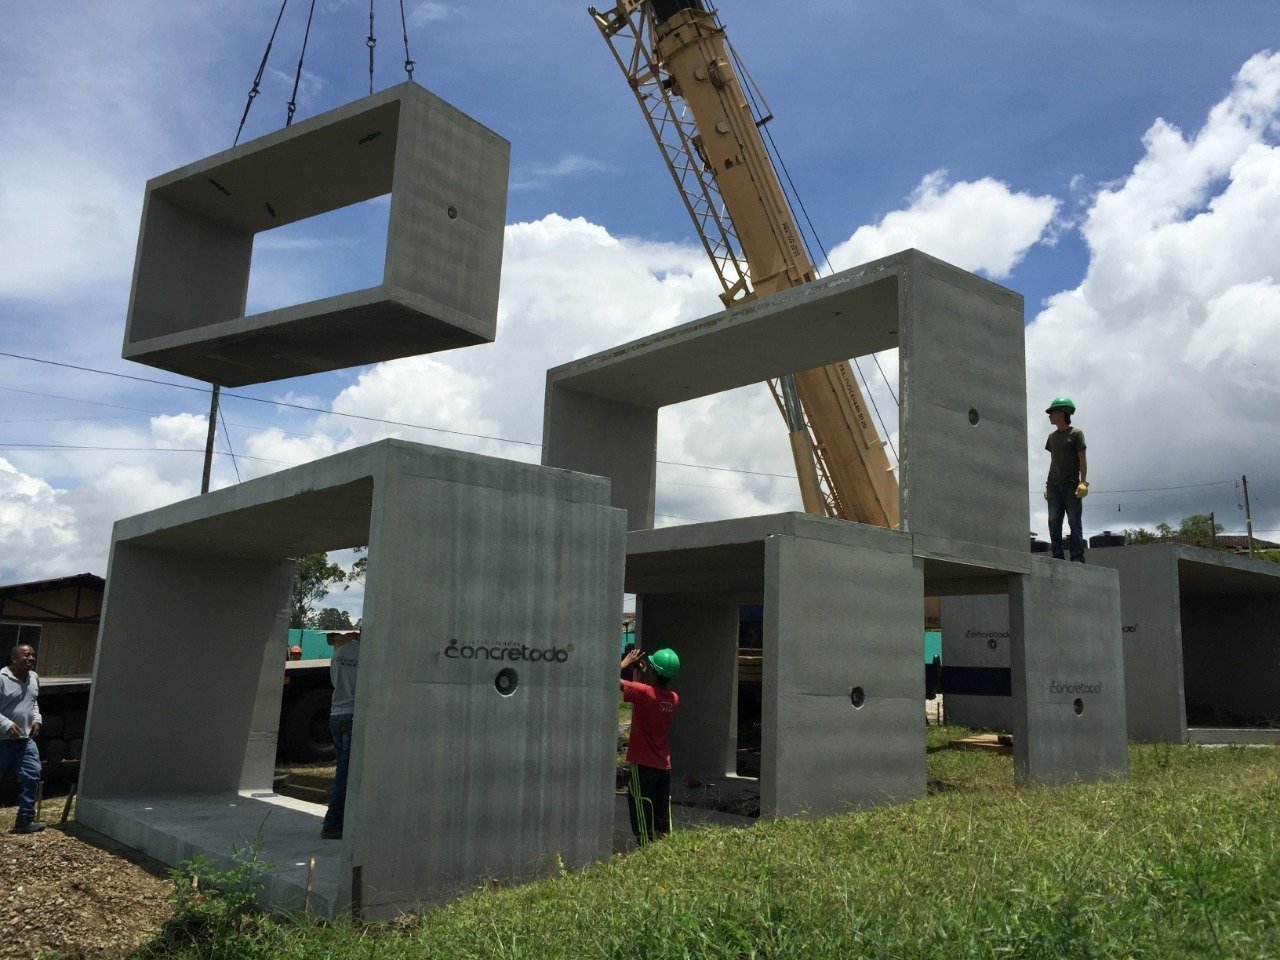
{"type": "Point", "coordinates": [1067, 484]}
{"type": "Point", "coordinates": [652, 708]}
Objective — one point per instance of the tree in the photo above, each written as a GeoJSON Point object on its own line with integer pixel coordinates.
{"type": "Point", "coordinates": [1199, 527]}
{"type": "Point", "coordinates": [331, 618]}
{"type": "Point", "coordinates": [312, 578]}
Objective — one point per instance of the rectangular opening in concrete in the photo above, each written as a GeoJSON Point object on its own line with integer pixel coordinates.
{"type": "Point", "coordinates": [324, 256]}
{"type": "Point", "coordinates": [447, 180]}
{"type": "Point", "coordinates": [1230, 642]}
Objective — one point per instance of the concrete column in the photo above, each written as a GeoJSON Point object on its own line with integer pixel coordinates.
{"type": "Point", "coordinates": [1066, 657]}
{"type": "Point", "coordinates": [975, 633]}
{"type": "Point", "coordinates": [704, 634]}
{"type": "Point", "coordinates": [843, 680]}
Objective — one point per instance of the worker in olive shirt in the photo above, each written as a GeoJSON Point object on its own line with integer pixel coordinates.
{"type": "Point", "coordinates": [19, 726]}
{"type": "Point", "coordinates": [1068, 482]}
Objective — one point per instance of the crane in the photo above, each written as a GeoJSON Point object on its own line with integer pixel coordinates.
{"type": "Point", "coordinates": [706, 115]}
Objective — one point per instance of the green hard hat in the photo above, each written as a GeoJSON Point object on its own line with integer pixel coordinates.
{"type": "Point", "coordinates": [1061, 402]}
{"type": "Point", "coordinates": [665, 663]}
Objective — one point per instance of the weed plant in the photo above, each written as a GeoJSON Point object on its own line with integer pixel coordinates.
{"type": "Point", "coordinates": [1180, 861]}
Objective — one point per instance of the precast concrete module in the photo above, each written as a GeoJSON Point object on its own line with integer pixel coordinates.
{"type": "Point", "coordinates": [963, 483]}
{"type": "Point", "coordinates": [486, 701]}
{"type": "Point", "coordinates": [446, 176]}
{"type": "Point", "coordinates": [1201, 640]}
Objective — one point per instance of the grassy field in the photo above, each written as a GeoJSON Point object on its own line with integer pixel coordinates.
{"type": "Point", "coordinates": [1181, 861]}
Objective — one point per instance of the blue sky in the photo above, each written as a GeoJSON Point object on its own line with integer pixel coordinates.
{"type": "Point", "coordinates": [1115, 163]}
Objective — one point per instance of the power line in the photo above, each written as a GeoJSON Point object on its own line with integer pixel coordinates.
{"type": "Point", "coordinates": [77, 446]}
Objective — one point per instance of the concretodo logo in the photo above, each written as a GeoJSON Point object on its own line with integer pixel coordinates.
{"type": "Point", "coordinates": [509, 650]}
{"type": "Point", "coordinates": [1069, 686]}
{"type": "Point", "coordinates": [986, 634]}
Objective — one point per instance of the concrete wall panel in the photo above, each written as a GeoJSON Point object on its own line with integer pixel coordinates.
{"type": "Point", "coordinates": [839, 619]}
{"type": "Point", "coordinates": [975, 633]}
{"type": "Point", "coordinates": [704, 634]}
{"type": "Point", "coordinates": [185, 699]}
{"type": "Point", "coordinates": [1068, 674]}
{"type": "Point", "coordinates": [1152, 630]}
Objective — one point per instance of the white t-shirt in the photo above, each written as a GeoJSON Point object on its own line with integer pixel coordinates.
{"type": "Point", "coordinates": [342, 673]}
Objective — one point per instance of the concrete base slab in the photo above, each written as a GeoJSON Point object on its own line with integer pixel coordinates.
{"type": "Point", "coordinates": [1243, 736]}
{"type": "Point", "coordinates": [174, 829]}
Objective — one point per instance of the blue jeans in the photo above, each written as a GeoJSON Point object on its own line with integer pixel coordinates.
{"type": "Point", "coordinates": [340, 728]}
{"type": "Point", "coordinates": [22, 756]}
{"type": "Point", "coordinates": [1062, 499]}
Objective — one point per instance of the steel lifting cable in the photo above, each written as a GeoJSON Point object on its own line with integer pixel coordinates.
{"type": "Point", "coordinates": [371, 41]}
{"type": "Point", "coordinates": [297, 77]}
{"type": "Point", "coordinates": [408, 60]}
{"type": "Point", "coordinates": [262, 67]}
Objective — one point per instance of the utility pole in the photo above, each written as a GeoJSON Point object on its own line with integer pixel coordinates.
{"type": "Point", "coordinates": [208, 447]}
{"type": "Point", "coordinates": [1248, 517]}
{"type": "Point", "coordinates": [1213, 530]}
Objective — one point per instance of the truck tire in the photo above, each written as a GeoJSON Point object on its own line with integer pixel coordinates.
{"type": "Point", "coordinates": [304, 735]}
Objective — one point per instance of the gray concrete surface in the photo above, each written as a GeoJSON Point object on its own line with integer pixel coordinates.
{"type": "Point", "coordinates": [843, 608]}
{"type": "Point", "coordinates": [962, 388]}
{"type": "Point", "coordinates": [1202, 639]}
{"type": "Point", "coordinates": [1201, 634]}
{"type": "Point", "coordinates": [975, 634]}
{"type": "Point", "coordinates": [476, 566]}
{"type": "Point", "coordinates": [447, 179]}
{"type": "Point", "coordinates": [1067, 663]}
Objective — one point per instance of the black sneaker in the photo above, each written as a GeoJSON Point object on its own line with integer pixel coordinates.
{"type": "Point", "coordinates": [27, 826]}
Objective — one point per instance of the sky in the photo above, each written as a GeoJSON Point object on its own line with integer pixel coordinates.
{"type": "Point", "coordinates": [1118, 164]}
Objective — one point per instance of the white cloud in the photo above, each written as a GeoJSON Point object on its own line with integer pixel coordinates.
{"type": "Point", "coordinates": [979, 225]}
{"type": "Point", "coordinates": [430, 12]}
{"type": "Point", "coordinates": [1170, 345]}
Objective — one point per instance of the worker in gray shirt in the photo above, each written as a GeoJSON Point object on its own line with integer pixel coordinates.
{"type": "Point", "coordinates": [19, 726]}
{"type": "Point", "coordinates": [342, 673]}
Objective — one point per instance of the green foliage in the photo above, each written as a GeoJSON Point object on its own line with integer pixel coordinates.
{"type": "Point", "coordinates": [1199, 527]}
{"type": "Point", "coordinates": [215, 909]}
{"type": "Point", "coordinates": [331, 618]}
{"type": "Point", "coordinates": [312, 578]}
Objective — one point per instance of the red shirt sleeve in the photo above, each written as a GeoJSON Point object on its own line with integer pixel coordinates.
{"type": "Point", "coordinates": [633, 692]}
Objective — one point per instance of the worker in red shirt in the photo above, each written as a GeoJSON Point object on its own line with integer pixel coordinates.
{"type": "Point", "coordinates": [652, 708]}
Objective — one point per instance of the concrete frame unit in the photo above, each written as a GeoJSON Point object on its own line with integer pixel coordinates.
{"type": "Point", "coordinates": [962, 387]}
{"type": "Point", "coordinates": [486, 702]}
{"type": "Point", "coordinates": [1201, 635]}
{"type": "Point", "coordinates": [842, 676]}
{"type": "Point", "coordinates": [1202, 643]}
{"type": "Point", "coordinates": [963, 481]}
{"type": "Point", "coordinates": [447, 179]}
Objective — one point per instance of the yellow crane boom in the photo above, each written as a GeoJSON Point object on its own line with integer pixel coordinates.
{"type": "Point", "coordinates": [677, 60]}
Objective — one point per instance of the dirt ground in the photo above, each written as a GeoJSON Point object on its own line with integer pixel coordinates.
{"type": "Point", "coordinates": [68, 892]}
{"type": "Point", "coordinates": [62, 895]}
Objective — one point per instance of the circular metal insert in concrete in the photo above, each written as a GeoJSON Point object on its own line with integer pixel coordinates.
{"type": "Point", "coordinates": [973, 416]}
{"type": "Point", "coordinates": [506, 681]}
{"type": "Point", "coordinates": [857, 696]}
{"type": "Point", "coordinates": [1078, 706]}
{"type": "Point", "coordinates": [453, 213]}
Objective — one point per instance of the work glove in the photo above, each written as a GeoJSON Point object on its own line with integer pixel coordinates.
{"type": "Point", "coordinates": [1046, 493]}
{"type": "Point", "coordinates": [1082, 490]}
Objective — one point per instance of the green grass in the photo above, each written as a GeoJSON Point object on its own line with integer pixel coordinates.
{"type": "Point", "coordinates": [1181, 861]}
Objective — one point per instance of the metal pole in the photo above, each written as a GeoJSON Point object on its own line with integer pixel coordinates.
{"type": "Point", "coordinates": [1248, 517]}
{"type": "Point", "coordinates": [213, 431]}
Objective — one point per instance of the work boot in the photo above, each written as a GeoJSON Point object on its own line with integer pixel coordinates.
{"type": "Point", "coordinates": [27, 825]}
